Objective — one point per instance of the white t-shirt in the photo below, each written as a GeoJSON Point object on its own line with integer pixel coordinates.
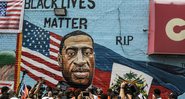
{"type": "Point", "coordinates": [95, 97]}
{"type": "Point", "coordinates": [14, 98]}
{"type": "Point", "coordinates": [47, 98]}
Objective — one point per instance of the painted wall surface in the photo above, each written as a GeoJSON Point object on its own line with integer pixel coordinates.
{"type": "Point", "coordinates": [117, 28]}
{"type": "Point", "coordinates": [103, 21]}
{"type": "Point", "coordinates": [7, 56]}
{"type": "Point", "coordinates": [7, 59]}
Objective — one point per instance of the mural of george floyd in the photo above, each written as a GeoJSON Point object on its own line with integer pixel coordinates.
{"type": "Point", "coordinates": [99, 44]}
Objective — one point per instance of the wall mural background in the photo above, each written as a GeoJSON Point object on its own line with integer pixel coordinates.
{"type": "Point", "coordinates": [117, 30]}
{"type": "Point", "coordinates": [7, 59]}
{"type": "Point", "coordinates": [108, 24]}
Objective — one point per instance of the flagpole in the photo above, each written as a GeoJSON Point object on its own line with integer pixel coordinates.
{"type": "Point", "coordinates": [18, 90]}
{"type": "Point", "coordinates": [18, 62]}
{"type": "Point", "coordinates": [18, 51]}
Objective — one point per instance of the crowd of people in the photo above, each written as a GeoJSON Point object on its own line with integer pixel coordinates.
{"type": "Point", "coordinates": [63, 91]}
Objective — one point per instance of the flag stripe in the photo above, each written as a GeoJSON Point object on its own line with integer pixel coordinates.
{"type": "Point", "coordinates": [53, 54]}
{"type": "Point", "coordinates": [8, 19]}
{"type": "Point", "coordinates": [38, 77]}
{"type": "Point", "coordinates": [11, 16]}
{"type": "Point", "coordinates": [5, 84]}
{"type": "Point", "coordinates": [42, 57]}
{"type": "Point", "coordinates": [33, 58]}
{"type": "Point", "coordinates": [43, 70]}
{"type": "Point", "coordinates": [13, 0]}
{"type": "Point", "coordinates": [9, 24]}
{"type": "Point", "coordinates": [14, 5]}
{"type": "Point", "coordinates": [12, 28]}
{"type": "Point", "coordinates": [17, 13]}
{"type": "Point", "coordinates": [39, 74]}
{"type": "Point", "coordinates": [4, 72]}
{"type": "Point", "coordinates": [14, 10]}
{"type": "Point", "coordinates": [55, 40]}
{"type": "Point", "coordinates": [54, 50]}
{"type": "Point", "coordinates": [9, 84]}
{"type": "Point", "coordinates": [40, 65]}
{"type": "Point", "coordinates": [53, 57]}
{"type": "Point", "coordinates": [54, 43]}
{"type": "Point", "coordinates": [54, 47]}
{"type": "Point", "coordinates": [56, 36]}
{"type": "Point", "coordinates": [5, 22]}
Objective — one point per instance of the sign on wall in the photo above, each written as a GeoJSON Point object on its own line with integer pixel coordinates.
{"type": "Point", "coordinates": [166, 30]}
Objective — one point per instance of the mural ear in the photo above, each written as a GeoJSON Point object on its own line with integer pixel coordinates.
{"type": "Point", "coordinates": [59, 59]}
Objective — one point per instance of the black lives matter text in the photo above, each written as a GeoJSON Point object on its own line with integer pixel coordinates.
{"type": "Point", "coordinates": [61, 22]}
{"type": "Point", "coordinates": [73, 23]}
{"type": "Point", "coordinates": [48, 4]}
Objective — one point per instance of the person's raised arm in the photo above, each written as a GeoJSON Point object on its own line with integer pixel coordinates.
{"type": "Point", "coordinates": [41, 81]}
{"type": "Point", "coordinates": [33, 89]}
{"type": "Point", "coordinates": [122, 91]}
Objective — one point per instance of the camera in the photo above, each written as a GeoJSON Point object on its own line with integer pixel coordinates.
{"type": "Point", "coordinates": [130, 89]}
{"type": "Point", "coordinates": [62, 86]}
{"type": "Point", "coordinates": [85, 93]}
{"type": "Point", "coordinates": [55, 92]}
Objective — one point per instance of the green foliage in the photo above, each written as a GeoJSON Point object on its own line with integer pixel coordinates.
{"type": "Point", "coordinates": [7, 58]}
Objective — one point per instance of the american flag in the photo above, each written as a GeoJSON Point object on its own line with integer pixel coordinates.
{"type": "Point", "coordinates": [9, 84]}
{"type": "Point", "coordinates": [24, 91]}
{"type": "Point", "coordinates": [10, 15]}
{"type": "Point", "coordinates": [39, 54]}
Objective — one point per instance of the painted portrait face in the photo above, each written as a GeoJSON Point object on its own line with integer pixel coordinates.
{"type": "Point", "coordinates": [78, 60]}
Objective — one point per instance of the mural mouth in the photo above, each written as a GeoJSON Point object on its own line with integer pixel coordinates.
{"type": "Point", "coordinates": [81, 75]}
{"type": "Point", "coordinates": [80, 69]}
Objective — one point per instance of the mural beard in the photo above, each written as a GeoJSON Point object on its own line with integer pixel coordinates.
{"type": "Point", "coordinates": [78, 77]}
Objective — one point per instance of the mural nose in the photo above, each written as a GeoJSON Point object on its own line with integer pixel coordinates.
{"type": "Point", "coordinates": [79, 59]}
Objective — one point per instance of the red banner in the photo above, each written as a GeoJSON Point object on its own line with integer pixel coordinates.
{"type": "Point", "coordinates": [166, 28]}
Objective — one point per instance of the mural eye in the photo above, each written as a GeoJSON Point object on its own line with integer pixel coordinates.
{"type": "Point", "coordinates": [87, 52]}
{"type": "Point", "coordinates": [71, 53]}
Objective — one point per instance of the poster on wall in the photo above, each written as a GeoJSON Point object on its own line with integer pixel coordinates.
{"type": "Point", "coordinates": [121, 73]}
{"type": "Point", "coordinates": [83, 49]}
{"type": "Point", "coordinates": [11, 16]}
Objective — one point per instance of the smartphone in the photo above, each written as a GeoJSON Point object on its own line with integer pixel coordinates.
{"type": "Point", "coordinates": [85, 93]}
